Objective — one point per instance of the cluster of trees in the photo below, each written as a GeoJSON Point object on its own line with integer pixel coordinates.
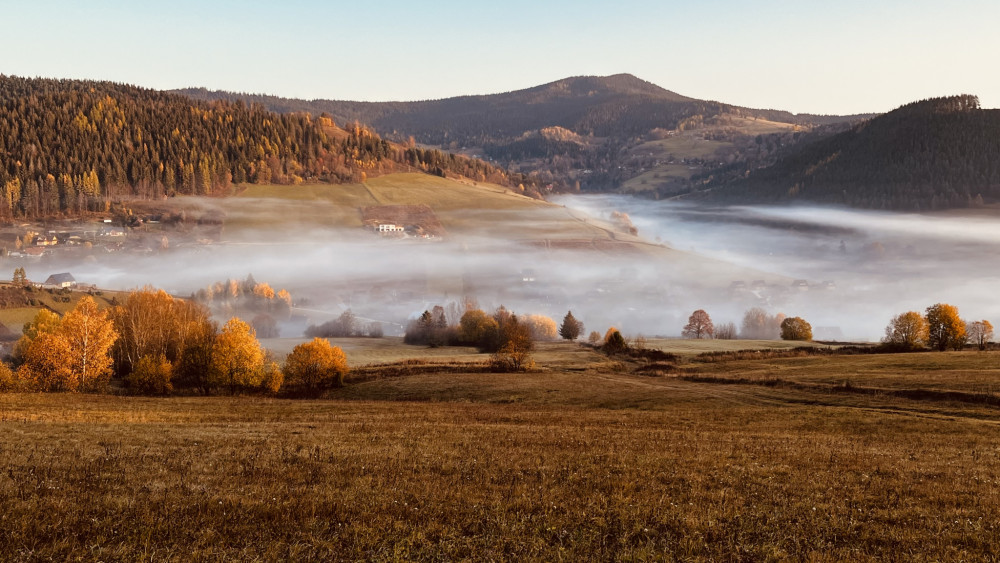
{"type": "Point", "coordinates": [155, 343]}
{"type": "Point", "coordinates": [508, 337]}
{"type": "Point", "coordinates": [249, 296]}
{"type": "Point", "coordinates": [345, 326]}
{"type": "Point", "coordinates": [932, 154]}
{"type": "Point", "coordinates": [757, 325]}
{"type": "Point", "coordinates": [939, 328]}
{"type": "Point", "coordinates": [70, 146]}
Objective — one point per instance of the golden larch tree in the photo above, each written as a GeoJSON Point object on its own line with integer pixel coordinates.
{"type": "Point", "coordinates": [90, 335]}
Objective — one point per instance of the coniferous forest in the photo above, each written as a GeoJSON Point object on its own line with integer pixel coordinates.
{"type": "Point", "coordinates": [933, 154]}
{"type": "Point", "coordinates": [68, 146]}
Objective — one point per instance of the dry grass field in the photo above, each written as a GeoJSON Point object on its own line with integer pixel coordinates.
{"type": "Point", "coordinates": [580, 460]}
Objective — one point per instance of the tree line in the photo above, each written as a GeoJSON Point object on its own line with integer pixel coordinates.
{"type": "Point", "coordinates": [155, 344]}
{"type": "Point", "coordinates": [68, 146]}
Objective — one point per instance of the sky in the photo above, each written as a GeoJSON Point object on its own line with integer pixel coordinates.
{"type": "Point", "coordinates": [803, 56]}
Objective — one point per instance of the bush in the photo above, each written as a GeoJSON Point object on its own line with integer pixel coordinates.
{"type": "Point", "coordinates": [151, 375]}
{"type": "Point", "coordinates": [8, 380]}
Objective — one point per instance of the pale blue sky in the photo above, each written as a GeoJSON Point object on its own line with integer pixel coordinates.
{"type": "Point", "coordinates": [846, 56]}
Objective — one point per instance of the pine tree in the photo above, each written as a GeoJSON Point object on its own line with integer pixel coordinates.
{"type": "Point", "coordinates": [570, 329]}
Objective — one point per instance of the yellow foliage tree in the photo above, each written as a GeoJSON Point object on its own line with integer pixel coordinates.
{"type": "Point", "coordinates": [541, 327]}
{"type": "Point", "coordinates": [237, 358]}
{"type": "Point", "coordinates": [47, 365]}
{"type": "Point", "coordinates": [475, 325]}
{"type": "Point", "coordinates": [45, 322]}
{"type": "Point", "coordinates": [263, 291]}
{"type": "Point", "coordinates": [945, 328]}
{"type": "Point", "coordinates": [316, 365]}
{"type": "Point", "coordinates": [90, 335]}
{"type": "Point", "coordinates": [907, 330]}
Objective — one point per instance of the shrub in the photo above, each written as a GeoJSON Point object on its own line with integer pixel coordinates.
{"type": "Point", "coordinates": [151, 375]}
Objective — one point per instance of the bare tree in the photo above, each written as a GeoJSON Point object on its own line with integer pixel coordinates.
{"type": "Point", "coordinates": [979, 333]}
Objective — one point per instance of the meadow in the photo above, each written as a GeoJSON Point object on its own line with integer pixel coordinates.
{"type": "Point", "coordinates": [581, 459]}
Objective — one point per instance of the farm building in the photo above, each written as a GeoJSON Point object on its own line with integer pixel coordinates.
{"type": "Point", "coordinates": [59, 281]}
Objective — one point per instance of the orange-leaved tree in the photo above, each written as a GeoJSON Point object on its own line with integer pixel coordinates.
{"type": "Point", "coordinates": [316, 365]}
{"type": "Point", "coordinates": [47, 365]}
{"type": "Point", "coordinates": [945, 327]}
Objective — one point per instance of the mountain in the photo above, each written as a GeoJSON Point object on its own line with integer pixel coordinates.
{"type": "Point", "coordinates": [69, 145]}
{"type": "Point", "coordinates": [578, 129]}
{"type": "Point", "coordinates": [932, 154]}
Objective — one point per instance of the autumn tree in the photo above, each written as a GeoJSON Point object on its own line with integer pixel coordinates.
{"type": "Point", "coordinates": [699, 325]}
{"type": "Point", "coordinates": [90, 335]}
{"type": "Point", "coordinates": [237, 358]}
{"type": "Point", "coordinates": [945, 328]}
{"type": "Point", "coordinates": [45, 322]}
{"type": "Point", "coordinates": [194, 367]}
{"type": "Point", "coordinates": [47, 365]}
{"type": "Point", "coordinates": [540, 326]}
{"type": "Point", "coordinates": [151, 375]}
{"type": "Point", "coordinates": [979, 333]}
{"type": "Point", "coordinates": [315, 366]}
{"type": "Point", "coordinates": [571, 328]}
{"type": "Point", "coordinates": [8, 379]}
{"type": "Point", "coordinates": [474, 327]}
{"type": "Point", "coordinates": [907, 330]}
{"type": "Point", "coordinates": [151, 322]}
{"type": "Point", "coordinates": [796, 328]}
{"type": "Point", "coordinates": [516, 345]}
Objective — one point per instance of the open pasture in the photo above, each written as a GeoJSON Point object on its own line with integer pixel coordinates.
{"type": "Point", "coordinates": [579, 460]}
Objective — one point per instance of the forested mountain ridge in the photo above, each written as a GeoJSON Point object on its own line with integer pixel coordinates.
{"type": "Point", "coordinates": [70, 145]}
{"type": "Point", "coordinates": [614, 105]}
{"type": "Point", "coordinates": [933, 154]}
{"type": "Point", "coordinates": [578, 131]}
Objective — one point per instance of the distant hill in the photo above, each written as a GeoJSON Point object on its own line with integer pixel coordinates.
{"type": "Point", "coordinates": [596, 120]}
{"type": "Point", "coordinates": [67, 146]}
{"type": "Point", "coordinates": [932, 154]}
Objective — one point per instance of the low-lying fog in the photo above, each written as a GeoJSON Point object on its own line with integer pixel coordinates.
{"type": "Point", "coordinates": [861, 267]}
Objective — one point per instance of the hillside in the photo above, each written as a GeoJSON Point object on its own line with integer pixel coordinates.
{"type": "Point", "coordinates": [933, 154]}
{"type": "Point", "coordinates": [573, 131]}
{"type": "Point", "coordinates": [68, 146]}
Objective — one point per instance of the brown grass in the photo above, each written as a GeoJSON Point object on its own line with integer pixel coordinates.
{"type": "Point", "coordinates": [574, 462]}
